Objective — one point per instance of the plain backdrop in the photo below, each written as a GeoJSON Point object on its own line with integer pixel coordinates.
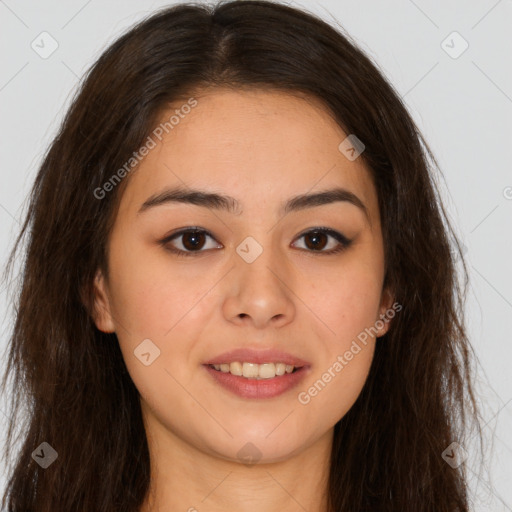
{"type": "Point", "coordinates": [458, 88]}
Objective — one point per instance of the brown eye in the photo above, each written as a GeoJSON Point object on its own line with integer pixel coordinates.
{"type": "Point", "coordinates": [192, 241]}
{"type": "Point", "coordinates": [318, 238]}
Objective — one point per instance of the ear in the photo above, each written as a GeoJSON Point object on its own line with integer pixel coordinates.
{"type": "Point", "coordinates": [101, 309]}
{"type": "Point", "coordinates": [386, 312]}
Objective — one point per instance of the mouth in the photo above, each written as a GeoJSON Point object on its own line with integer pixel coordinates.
{"type": "Point", "coordinates": [256, 371]}
{"type": "Point", "coordinates": [251, 385]}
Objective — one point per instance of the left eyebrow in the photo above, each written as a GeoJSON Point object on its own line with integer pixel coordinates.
{"type": "Point", "coordinates": [232, 205]}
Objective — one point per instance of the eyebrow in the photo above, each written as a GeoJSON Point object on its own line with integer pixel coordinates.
{"type": "Point", "coordinates": [231, 205]}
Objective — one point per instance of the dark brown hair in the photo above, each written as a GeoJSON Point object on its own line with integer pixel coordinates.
{"type": "Point", "coordinates": [71, 377]}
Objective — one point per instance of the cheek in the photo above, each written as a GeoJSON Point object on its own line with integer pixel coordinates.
{"type": "Point", "coordinates": [347, 303]}
{"type": "Point", "coordinates": [158, 302]}
{"type": "Point", "coordinates": [157, 314]}
{"type": "Point", "coordinates": [151, 296]}
{"type": "Point", "coordinates": [341, 368]}
{"type": "Point", "coordinates": [334, 388]}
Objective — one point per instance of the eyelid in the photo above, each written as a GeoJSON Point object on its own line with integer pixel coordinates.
{"type": "Point", "coordinates": [176, 234]}
{"type": "Point", "coordinates": [342, 240]}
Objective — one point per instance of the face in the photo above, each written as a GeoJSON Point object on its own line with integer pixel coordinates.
{"type": "Point", "coordinates": [304, 281]}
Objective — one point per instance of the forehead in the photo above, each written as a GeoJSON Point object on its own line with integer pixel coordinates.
{"type": "Point", "coordinates": [255, 145]}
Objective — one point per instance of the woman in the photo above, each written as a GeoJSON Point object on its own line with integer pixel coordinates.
{"type": "Point", "coordinates": [239, 292]}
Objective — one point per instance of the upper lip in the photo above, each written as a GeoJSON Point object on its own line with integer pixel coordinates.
{"type": "Point", "coordinates": [259, 356]}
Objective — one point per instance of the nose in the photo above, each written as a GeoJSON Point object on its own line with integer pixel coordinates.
{"type": "Point", "coordinates": [260, 293]}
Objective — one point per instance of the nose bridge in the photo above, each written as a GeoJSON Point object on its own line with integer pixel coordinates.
{"type": "Point", "coordinates": [260, 289]}
{"type": "Point", "coordinates": [259, 260]}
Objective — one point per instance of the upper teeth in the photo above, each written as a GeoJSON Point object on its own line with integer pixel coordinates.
{"type": "Point", "coordinates": [255, 371]}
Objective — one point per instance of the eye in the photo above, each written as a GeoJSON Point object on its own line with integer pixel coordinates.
{"type": "Point", "coordinates": [316, 240]}
{"type": "Point", "coordinates": [193, 241]}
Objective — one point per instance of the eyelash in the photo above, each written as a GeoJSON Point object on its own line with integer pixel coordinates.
{"type": "Point", "coordinates": [343, 241]}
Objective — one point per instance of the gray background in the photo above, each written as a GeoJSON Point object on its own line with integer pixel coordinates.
{"type": "Point", "coordinates": [463, 106]}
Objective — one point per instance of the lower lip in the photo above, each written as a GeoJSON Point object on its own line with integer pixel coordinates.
{"type": "Point", "coordinates": [254, 388]}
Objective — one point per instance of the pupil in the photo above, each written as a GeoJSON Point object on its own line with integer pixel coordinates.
{"type": "Point", "coordinates": [315, 236]}
{"type": "Point", "coordinates": [194, 236]}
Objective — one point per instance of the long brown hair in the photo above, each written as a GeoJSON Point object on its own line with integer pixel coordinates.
{"type": "Point", "coordinates": [79, 398]}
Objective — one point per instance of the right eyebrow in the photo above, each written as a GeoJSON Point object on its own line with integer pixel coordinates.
{"type": "Point", "coordinates": [217, 201]}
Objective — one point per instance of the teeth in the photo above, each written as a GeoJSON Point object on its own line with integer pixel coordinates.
{"type": "Point", "coordinates": [236, 368]}
{"type": "Point", "coordinates": [281, 369]}
{"type": "Point", "coordinates": [255, 371]}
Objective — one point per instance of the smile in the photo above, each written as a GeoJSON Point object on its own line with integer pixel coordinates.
{"type": "Point", "coordinates": [253, 370]}
{"type": "Point", "coordinates": [254, 386]}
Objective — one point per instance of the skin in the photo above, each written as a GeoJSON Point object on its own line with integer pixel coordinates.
{"type": "Point", "coordinates": [262, 148]}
